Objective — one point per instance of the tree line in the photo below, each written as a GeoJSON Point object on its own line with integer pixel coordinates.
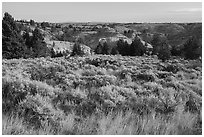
{"type": "Point", "coordinates": [15, 45]}
{"type": "Point", "coordinates": [191, 48]}
{"type": "Point", "coordinates": [31, 44]}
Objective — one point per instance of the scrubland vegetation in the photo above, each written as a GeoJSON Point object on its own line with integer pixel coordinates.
{"type": "Point", "coordinates": [103, 79]}
{"type": "Point", "coordinates": [101, 94]}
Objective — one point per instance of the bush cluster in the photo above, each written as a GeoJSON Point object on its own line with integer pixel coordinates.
{"type": "Point", "coordinates": [123, 48]}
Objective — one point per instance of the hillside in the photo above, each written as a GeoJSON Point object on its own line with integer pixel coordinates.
{"type": "Point", "coordinates": [101, 78]}
{"type": "Point", "coordinates": [177, 33]}
{"type": "Point", "coordinates": [65, 35]}
{"type": "Point", "coordinates": [101, 94]}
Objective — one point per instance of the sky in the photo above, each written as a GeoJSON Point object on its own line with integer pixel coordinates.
{"type": "Point", "coordinates": [105, 11]}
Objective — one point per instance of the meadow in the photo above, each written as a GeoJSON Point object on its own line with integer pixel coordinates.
{"type": "Point", "coordinates": [101, 95]}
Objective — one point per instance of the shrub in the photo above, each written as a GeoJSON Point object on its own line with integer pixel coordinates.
{"type": "Point", "coordinates": [172, 68]}
{"type": "Point", "coordinates": [52, 93]}
{"type": "Point", "coordinates": [146, 76]}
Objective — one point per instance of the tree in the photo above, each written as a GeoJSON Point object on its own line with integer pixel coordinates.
{"type": "Point", "coordinates": [176, 51]}
{"type": "Point", "coordinates": [105, 49]}
{"type": "Point", "coordinates": [45, 24]}
{"type": "Point", "coordinates": [98, 49]}
{"type": "Point", "coordinates": [59, 54]}
{"type": "Point", "coordinates": [80, 40]}
{"type": "Point", "coordinates": [40, 49]}
{"type": "Point", "coordinates": [161, 47]}
{"type": "Point", "coordinates": [164, 52]}
{"type": "Point", "coordinates": [16, 46]}
{"type": "Point", "coordinates": [39, 46]}
{"type": "Point", "coordinates": [37, 36]}
{"type": "Point", "coordinates": [10, 20]}
{"type": "Point", "coordinates": [70, 26]}
{"type": "Point", "coordinates": [36, 44]}
{"type": "Point", "coordinates": [53, 28]}
{"type": "Point", "coordinates": [114, 51]}
{"type": "Point", "coordinates": [12, 42]}
{"type": "Point", "coordinates": [27, 39]}
{"type": "Point", "coordinates": [77, 50]}
{"type": "Point", "coordinates": [137, 48]}
{"type": "Point", "coordinates": [123, 48]}
{"type": "Point", "coordinates": [32, 22]}
{"type": "Point", "coordinates": [52, 52]}
{"type": "Point", "coordinates": [157, 41]}
{"type": "Point", "coordinates": [192, 48]}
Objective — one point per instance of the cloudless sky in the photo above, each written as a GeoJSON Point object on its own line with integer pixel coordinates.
{"type": "Point", "coordinates": [106, 11]}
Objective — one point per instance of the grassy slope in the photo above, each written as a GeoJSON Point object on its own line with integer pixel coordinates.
{"type": "Point", "coordinates": [101, 95]}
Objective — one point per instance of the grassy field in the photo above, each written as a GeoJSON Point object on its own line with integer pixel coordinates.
{"type": "Point", "coordinates": [101, 94]}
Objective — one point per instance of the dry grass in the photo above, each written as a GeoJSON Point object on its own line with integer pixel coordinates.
{"type": "Point", "coordinates": [179, 123]}
{"type": "Point", "coordinates": [101, 95]}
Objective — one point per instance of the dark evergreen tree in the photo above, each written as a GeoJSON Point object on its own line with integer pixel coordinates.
{"type": "Point", "coordinates": [27, 39]}
{"type": "Point", "coordinates": [137, 48]}
{"type": "Point", "coordinates": [123, 48]}
{"type": "Point", "coordinates": [39, 47]}
{"type": "Point", "coordinates": [157, 42]}
{"type": "Point", "coordinates": [70, 26]}
{"type": "Point", "coordinates": [59, 54]}
{"type": "Point", "coordinates": [176, 51]}
{"type": "Point", "coordinates": [45, 24]}
{"type": "Point", "coordinates": [9, 20]}
{"type": "Point", "coordinates": [12, 42]}
{"type": "Point", "coordinates": [37, 36]}
{"type": "Point", "coordinates": [164, 52]}
{"type": "Point", "coordinates": [77, 50]}
{"type": "Point", "coordinates": [53, 28]}
{"type": "Point", "coordinates": [32, 22]}
{"type": "Point", "coordinates": [126, 49]}
{"type": "Point", "coordinates": [192, 48]}
{"type": "Point", "coordinates": [114, 51]}
{"type": "Point", "coordinates": [98, 49]}
{"type": "Point", "coordinates": [52, 53]}
{"type": "Point", "coordinates": [105, 49]}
